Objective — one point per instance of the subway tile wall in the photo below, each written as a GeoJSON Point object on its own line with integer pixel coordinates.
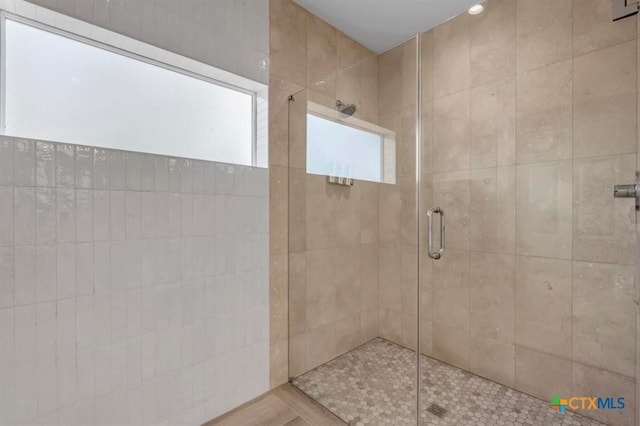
{"type": "Point", "coordinates": [133, 287]}
{"type": "Point", "coordinates": [229, 34]}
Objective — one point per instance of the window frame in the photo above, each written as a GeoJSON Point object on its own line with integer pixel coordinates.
{"type": "Point", "coordinates": [5, 15]}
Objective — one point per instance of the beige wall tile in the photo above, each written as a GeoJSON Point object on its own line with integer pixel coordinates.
{"type": "Point", "coordinates": [279, 92]}
{"type": "Point", "coordinates": [369, 276]}
{"type": "Point", "coordinates": [297, 134]}
{"type": "Point", "coordinates": [409, 215]}
{"type": "Point", "coordinates": [322, 49]}
{"type": "Point", "coordinates": [493, 124]}
{"type": "Point", "coordinates": [492, 296]}
{"type": "Point", "coordinates": [369, 324]}
{"type": "Point", "coordinates": [297, 294]}
{"type": "Point", "coordinates": [368, 96]}
{"type": "Point", "coordinates": [350, 52]}
{"type": "Point", "coordinates": [406, 145]}
{"type": "Point", "coordinates": [278, 363]}
{"type": "Point", "coordinates": [451, 345]}
{"type": "Point", "coordinates": [604, 332]}
{"type": "Point", "coordinates": [426, 66]}
{"type": "Point", "coordinates": [368, 212]}
{"type": "Point", "coordinates": [451, 289]}
{"type": "Point", "coordinates": [390, 267]}
{"type": "Point", "coordinates": [603, 227]}
{"type": "Point", "coordinates": [544, 210]}
{"type": "Point", "coordinates": [348, 88]}
{"type": "Point", "coordinates": [321, 213]}
{"type": "Point", "coordinates": [451, 56]}
{"type": "Point", "coordinates": [493, 359]}
{"type": "Point", "coordinates": [347, 219]}
{"type": "Point", "coordinates": [288, 41]}
{"type": "Point", "coordinates": [409, 76]}
{"type": "Point", "coordinates": [594, 29]}
{"type": "Point", "coordinates": [348, 287]}
{"type": "Point", "coordinates": [492, 215]}
{"type": "Point", "coordinates": [426, 286]}
{"type": "Point", "coordinates": [604, 90]}
{"type": "Point", "coordinates": [426, 338]}
{"type": "Point", "coordinates": [543, 114]}
{"type": "Point", "coordinates": [493, 42]}
{"type": "Point", "coordinates": [390, 325]}
{"type": "Point", "coordinates": [278, 210]}
{"type": "Point", "coordinates": [543, 32]}
{"type": "Point", "coordinates": [321, 345]}
{"type": "Point", "coordinates": [359, 85]}
{"type": "Point", "coordinates": [451, 193]}
{"type": "Point", "coordinates": [278, 294]}
{"type": "Point", "coordinates": [390, 80]}
{"type": "Point", "coordinates": [409, 280]}
{"type": "Point", "coordinates": [390, 214]}
{"type": "Point", "coordinates": [323, 92]}
{"type": "Point", "coordinates": [543, 305]}
{"type": "Point", "coordinates": [321, 288]}
{"type": "Point", "coordinates": [451, 143]}
{"type": "Point", "coordinates": [409, 331]}
{"type": "Point", "coordinates": [589, 381]}
{"type": "Point", "coordinates": [348, 335]}
{"type": "Point", "coordinates": [426, 149]}
{"type": "Point", "coordinates": [542, 375]}
{"type": "Point", "coordinates": [298, 355]}
{"type": "Point", "coordinates": [297, 197]}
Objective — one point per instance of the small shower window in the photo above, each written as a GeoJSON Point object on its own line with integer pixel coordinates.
{"type": "Point", "coordinates": [348, 147]}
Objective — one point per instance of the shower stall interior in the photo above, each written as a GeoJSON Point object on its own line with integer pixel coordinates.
{"type": "Point", "coordinates": [517, 138]}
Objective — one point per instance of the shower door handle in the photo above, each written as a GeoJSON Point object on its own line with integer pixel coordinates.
{"type": "Point", "coordinates": [436, 254]}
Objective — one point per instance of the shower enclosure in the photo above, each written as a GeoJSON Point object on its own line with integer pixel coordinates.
{"type": "Point", "coordinates": [527, 297]}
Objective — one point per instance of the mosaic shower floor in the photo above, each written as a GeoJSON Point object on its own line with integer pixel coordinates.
{"type": "Point", "coordinates": [374, 385]}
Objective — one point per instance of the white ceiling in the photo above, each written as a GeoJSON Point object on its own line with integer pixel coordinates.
{"type": "Point", "coordinates": [382, 24]}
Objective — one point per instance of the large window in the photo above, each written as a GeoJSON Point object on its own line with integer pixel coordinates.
{"type": "Point", "coordinates": [348, 147]}
{"type": "Point", "coordinates": [62, 88]}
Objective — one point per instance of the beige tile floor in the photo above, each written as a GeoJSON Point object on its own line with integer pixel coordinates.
{"type": "Point", "coordinates": [374, 385]}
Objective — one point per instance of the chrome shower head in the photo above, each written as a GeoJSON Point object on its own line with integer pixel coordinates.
{"type": "Point", "coordinates": [346, 109]}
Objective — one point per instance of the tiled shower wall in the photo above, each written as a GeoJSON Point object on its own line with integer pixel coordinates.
{"type": "Point", "coordinates": [227, 34]}
{"type": "Point", "coordinates": [529, 119]}
{"type": "Point", "coordinates": [333, 236]}
{"type": "Point", "coordinates": [133, 287]}
{"type": "Point", "coordinates": [306, 52]}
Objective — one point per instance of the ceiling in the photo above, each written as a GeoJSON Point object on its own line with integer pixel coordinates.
{"type": "Point", "coordinates": [382, 24]}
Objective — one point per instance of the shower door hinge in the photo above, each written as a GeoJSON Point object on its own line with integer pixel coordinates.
{"type": "Point", "coordinates": [624, 8]}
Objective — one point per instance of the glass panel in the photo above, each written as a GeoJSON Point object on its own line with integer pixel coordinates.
{"type": "Point", "coordinates": [52, 83]}
{"type": "Point", "coordinates": [534, 295]}
{"type": "Point", "coordinates": [353, 249]}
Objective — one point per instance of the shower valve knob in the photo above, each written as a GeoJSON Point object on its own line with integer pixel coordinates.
{"type": "Point", "coordinates": [629, 191]}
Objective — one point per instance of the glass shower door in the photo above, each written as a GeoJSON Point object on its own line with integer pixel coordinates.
{"type": "Point", "coordinates": [532, 302]}
{"type": "Point", "coordinates": [352, 250]}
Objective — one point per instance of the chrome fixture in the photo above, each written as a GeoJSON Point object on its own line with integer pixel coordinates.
{"type": "Point", "coordinates": [629, 191]}
{"type": "Point", "coordinates": [624, 8]}
{"type": "Point", "coordinates": [440, 252]}
{"type": "Point", "coordinates": [346, 109]}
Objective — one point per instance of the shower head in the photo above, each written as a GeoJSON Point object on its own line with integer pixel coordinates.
{"type": "Point", "coordinates": [346, 109]}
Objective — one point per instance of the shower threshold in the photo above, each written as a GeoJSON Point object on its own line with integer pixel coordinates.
{"type": "Point", "coordinates": [374, 384]}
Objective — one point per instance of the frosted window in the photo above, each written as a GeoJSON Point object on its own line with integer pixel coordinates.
{"type": "Point", "coordinates": [336, 149]}
{"type": "Point", "coordinates": [61, 89]}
